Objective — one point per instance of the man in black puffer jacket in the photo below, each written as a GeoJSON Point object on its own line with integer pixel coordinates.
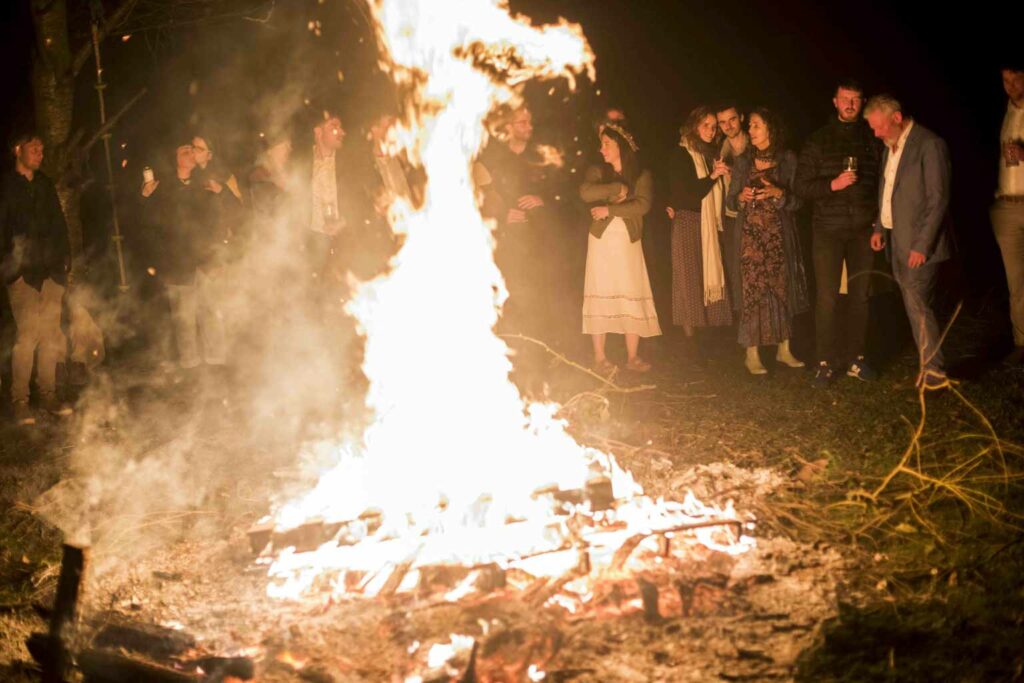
{"type": "Point", "coordinates": [838, 174]}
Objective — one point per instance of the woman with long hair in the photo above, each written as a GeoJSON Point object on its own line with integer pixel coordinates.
{"type": "Point", "coordinates": [774, 283]}
{"type": "Point", "coordinates": [700, 297]}
{"type": "Point", "coordinates": [617, 295]}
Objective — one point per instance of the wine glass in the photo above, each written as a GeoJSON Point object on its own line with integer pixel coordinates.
{"type": "Point", "coordinates": [850, 164]}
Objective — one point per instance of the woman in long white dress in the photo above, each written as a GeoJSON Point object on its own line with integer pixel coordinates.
{"type": "Point", "coordinates": [617, 295]}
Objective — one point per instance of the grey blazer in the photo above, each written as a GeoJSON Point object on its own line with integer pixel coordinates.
{"type": "Point", "coordinates": [920, 197]}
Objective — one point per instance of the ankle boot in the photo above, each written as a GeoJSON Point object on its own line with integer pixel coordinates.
{"type": "Point", "coordinates": [753, 362]}
{"type": "Point", "coordinates": [784, 356]}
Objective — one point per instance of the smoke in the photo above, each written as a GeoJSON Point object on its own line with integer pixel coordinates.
{"type": "Point", "coordinates": [159, 454]}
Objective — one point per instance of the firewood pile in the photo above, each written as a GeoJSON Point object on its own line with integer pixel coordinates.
{"type": "Point", "coordinates": [670, 611]}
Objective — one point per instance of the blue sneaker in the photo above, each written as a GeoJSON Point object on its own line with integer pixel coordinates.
{"type": "Point", "coordinates": [823, 375]}
{"type": "Point", "coordinates": [859, 369]}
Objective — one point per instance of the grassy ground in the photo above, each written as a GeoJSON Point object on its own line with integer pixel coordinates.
{"type": "Point", "coordinates": [935, 589]}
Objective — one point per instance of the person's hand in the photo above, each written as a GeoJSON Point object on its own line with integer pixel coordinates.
{"type": "Point", "coordinates": [769, 191]}
{"type": "Point", "coordinates": [877, 241]}
{"type": "Point", "coordinates": [147, 188]}
{"type": "Point", "coordinates": [916, 259]}
{"type": "Point", "coordinates": [746, 195]}
{"type": "Point", "coordinates": [515, 216]}
{"type": "Point", "coordinates": [529, 201]}
{"type": "Point", "coordinates": [621, 196]}
{"type": "Point", "coordinates": [599, 213]}
{"type": "Point", "coordinates": [213, 186]}
{"type": "Point", "coordinates": [720, 169]}
{"type": "Point", "coordinates": [671, 212]}
{"type": "Point", "coordinates": [844, 180]}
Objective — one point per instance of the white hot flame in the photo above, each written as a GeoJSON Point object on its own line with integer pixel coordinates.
{"type": "Point", "coordinates": [453, 453]}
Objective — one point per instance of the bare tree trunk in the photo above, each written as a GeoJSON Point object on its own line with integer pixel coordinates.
{"type": "Point", "coordinates": [53, 89]}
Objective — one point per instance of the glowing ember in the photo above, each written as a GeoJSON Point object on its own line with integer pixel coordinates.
{"type": "Point", "coordinates": [455, 469]}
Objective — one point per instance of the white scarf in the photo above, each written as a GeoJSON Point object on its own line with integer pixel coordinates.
{"type": "Point", "coordinates": [710, 226]}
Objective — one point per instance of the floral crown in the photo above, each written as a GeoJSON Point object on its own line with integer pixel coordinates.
{"type": "Point", "coordinates": [623, 132]}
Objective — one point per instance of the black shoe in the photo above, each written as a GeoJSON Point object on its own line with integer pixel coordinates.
{"type": "Point", "coordinates": [1015, 358]}
{"type": "Point", "coordinates": [823, 375]}
{"type": "Point", "coordinates": [859, 369]}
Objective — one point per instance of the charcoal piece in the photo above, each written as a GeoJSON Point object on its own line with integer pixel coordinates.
{"type": "Point", "coordinates": [152, 640]}
{"type": "Point", "coordinates": [649, 595]}
{"type": "Point", "coordinates": [218, 668]}
{"type": "Point", "coordinates": [105, 666]}
{"type": "Point", "coordinates": [599, 493]}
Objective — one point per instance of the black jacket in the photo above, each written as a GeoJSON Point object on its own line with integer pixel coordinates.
{"type": "Point", "coordinates": [33, 233]}
{"type": "Point", "coordinates": [686, 190]}
{"type": "Point", "coordinates": [854, 208]}
{"type": "Point", "coordinates": [188, 232]}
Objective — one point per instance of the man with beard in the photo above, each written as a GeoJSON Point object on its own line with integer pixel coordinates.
{"type": "Point", "coordinates": [34, 264]}
{"type": "Point", "coordinates": [730, 122]}
{"type": "Point", "coordinates": [514, 196]}
{"type": "Point", "coordinates": [838, 174]}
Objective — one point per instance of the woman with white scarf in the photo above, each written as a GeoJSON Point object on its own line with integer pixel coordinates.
{"type": "Point", "coordinates": [700, 297]}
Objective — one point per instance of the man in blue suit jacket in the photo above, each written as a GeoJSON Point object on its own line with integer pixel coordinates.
{"type": "Point", "coordinates": [913, 198]}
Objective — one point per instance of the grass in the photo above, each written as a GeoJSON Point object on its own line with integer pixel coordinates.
{"type": "Point", "coordinates": [926, 504]}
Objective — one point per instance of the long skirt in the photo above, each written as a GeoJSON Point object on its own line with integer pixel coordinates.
{"type": "Point", "coordinates": [765, 318]}
{"type": "Point", "coordinates": [688, 307]}
{"type": "Point", "coordinates": [616, 291]}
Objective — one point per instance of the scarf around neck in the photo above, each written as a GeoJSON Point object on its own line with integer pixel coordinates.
{"type": "Point", "coordinates": [710, 226]}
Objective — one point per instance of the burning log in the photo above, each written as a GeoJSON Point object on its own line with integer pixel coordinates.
{"type": "Point", "coordinates": [107, 666]}
{"type": "Point", "coordinates": [151, 640]}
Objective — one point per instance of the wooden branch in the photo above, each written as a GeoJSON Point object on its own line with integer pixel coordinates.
{"type": "Point", "coordinates": [111, 122]}
{"type": "Point", "coordinates": [115, 20]}
{"type": "Point", "coordinates": [612, 386]}
{"type": "Point", "coordinates": [65, 613]}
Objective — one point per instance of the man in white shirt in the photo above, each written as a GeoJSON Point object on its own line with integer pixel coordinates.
{"type": "Point", "coordinates": [1008, 210]}
{"type": "Point", "coordinates": [912, 218]}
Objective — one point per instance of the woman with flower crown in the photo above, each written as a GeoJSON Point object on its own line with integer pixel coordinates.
{"type": "Point", "coordinates": [617, 295]}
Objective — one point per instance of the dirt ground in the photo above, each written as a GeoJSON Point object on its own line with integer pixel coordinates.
{"type": "Point", "coordinates": [889, 547]}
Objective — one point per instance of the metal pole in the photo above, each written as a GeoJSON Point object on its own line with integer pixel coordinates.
{"type": "Point", "coordinates": [100, 87]}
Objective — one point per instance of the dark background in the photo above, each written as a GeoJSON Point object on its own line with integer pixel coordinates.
{"type": "Point", "coordinates": [243, 65]}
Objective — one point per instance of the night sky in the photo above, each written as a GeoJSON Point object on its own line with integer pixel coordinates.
{"type": "Point", "coordinates": [656, 59]}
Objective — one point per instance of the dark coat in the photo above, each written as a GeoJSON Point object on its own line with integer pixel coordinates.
{"type": "Point", "coordinates": [782, 175]}
{"type": "Point", "coordinates": [33, 233]}
{"type": "Point", "coordinates": [851, 210]}
{"type": "Point", "coordinates": [685, 189]}
{"type": "Point", "coordinates": [185, 222]}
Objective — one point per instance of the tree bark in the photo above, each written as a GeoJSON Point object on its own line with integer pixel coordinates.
{"type": "Point", "coordinates": [53, 89]}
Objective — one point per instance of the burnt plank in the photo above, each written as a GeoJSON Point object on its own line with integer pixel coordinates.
{"type": "Point", "coordinates": [65, 613]}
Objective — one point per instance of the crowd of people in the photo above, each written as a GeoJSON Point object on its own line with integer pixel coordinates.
{"type": "Point", "coordinates": [873, 178]}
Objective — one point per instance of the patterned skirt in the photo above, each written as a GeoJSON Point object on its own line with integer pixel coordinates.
{"type": "Point", "coordinates": [617, 294]}
{"type": "Point", "coordinates": [766, 316]}
{"type": "Point", "coordinates": [688, 277]}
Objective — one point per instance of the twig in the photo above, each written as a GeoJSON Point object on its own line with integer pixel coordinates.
{"type": "Point", "coordinates": [112, 121]}
{"type": "Point", "coordinates": [612, 386]}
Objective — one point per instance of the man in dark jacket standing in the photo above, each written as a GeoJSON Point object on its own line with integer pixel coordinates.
{"type": "Point", "coordinates": [838, 174]}
{"type": "Point", "coordinates": [34, 266]}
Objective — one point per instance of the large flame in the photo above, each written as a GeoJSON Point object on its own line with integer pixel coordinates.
{"type": "Point", "coordinates": [453, 455]}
